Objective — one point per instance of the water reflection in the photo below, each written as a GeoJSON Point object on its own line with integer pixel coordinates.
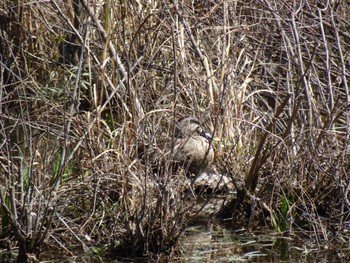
{"type": "Point", "coordinates": [208, 244]}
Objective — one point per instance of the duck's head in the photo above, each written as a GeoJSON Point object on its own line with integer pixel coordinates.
{"type": "Point", "coordinates": [189, 126]}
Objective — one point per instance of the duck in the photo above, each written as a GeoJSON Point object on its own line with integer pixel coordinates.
{"type": "Point", "coordinates": [192, 146]}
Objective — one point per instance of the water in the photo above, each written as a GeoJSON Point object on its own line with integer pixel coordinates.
{"type": "Point", "coordinates": [219, 244]}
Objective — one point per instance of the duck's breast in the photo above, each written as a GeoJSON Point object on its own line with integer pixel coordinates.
{"type": "Point", "coordinates": [194, 150]}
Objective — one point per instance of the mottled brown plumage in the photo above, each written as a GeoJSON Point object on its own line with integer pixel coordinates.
{"type": "Point", "coordinates": [190, 149]}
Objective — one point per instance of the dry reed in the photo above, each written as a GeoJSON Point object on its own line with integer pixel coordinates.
{"type": "Point", "coordinates": [85, 85]}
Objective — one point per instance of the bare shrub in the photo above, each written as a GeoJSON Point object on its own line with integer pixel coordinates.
{"type": "Point", "coordinates": [86, 88]}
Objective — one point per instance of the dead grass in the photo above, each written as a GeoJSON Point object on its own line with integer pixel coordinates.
{"type": "Point", "coordinates": [83, 89]}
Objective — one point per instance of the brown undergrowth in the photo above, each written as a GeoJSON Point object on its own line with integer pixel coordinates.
{"type": "Point", "coordinates": [86, 85]}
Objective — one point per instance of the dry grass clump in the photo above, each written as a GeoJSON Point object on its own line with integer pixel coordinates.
{"type": "Point", "coordinates": [87, 87]}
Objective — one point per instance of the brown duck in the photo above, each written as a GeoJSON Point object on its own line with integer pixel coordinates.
{"type": "Point", "coordinates": [191, 148]}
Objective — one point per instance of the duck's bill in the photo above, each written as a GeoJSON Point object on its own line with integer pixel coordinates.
{"type": "Point", "coordinates": [207, 135]}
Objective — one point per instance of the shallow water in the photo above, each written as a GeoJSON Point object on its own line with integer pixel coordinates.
{"type": "Point", "coordinates": [220, 244]}
{"type": "Point", "coordinates": [217, 244]}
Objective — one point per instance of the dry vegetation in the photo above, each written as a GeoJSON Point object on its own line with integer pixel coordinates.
{"type": "Point", "coordinates": [85, 84]}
